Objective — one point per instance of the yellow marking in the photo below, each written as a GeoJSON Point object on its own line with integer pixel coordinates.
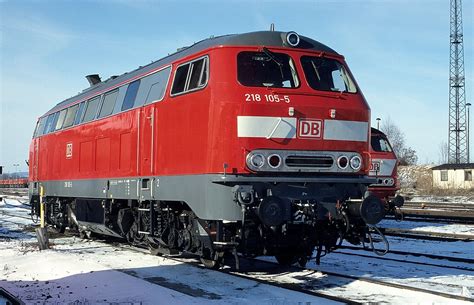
{"type": "Point", "coordinates": [41, 206]}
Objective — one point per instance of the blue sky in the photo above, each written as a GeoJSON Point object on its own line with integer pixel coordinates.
{"type": "Point", "coordinates": [397, 50]}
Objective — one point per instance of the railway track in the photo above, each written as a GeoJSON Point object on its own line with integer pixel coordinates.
{"type": "Point", "coordinates": [426, 235]}
{"type": "Point", "coordinates": [310, 281]}
{"type": "Point", "coordinates": [438, 211]}
{"type": "Point", "coordinates": [412, 254]}
{"type": "Point", "coordinates": [313, 281]}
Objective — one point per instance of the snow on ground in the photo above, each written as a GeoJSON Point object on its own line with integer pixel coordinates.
{"type": "Point", "coordinates": [92, 272]}
{"type": "Point", "coordinates": [453, 228]}
{"type": "Point", "coordinates": [465, 199]}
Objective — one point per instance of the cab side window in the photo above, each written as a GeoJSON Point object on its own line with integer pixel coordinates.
{"type": "Point", "coordinates": [191, 76]}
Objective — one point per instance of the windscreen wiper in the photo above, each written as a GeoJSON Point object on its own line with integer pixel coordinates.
{"type": "Point", "coordinates": [272, 57]}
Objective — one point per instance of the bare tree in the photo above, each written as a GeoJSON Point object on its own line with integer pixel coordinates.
{"type": "Point", "coordinates": [406, 155]}
{"type": "Point", "coordinates": [443, 152]}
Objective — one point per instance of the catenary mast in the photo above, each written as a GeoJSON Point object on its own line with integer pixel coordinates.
{"type": "Point", "coordinates": [457, 141]}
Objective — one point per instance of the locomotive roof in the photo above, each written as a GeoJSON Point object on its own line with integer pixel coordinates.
{"type": "Point", "coordinates": [377, 131]}
{"type": "Point", "coordinates": [262, 38]}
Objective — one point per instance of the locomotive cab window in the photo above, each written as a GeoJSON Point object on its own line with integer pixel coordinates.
{"type": "Point", "coordinates": [191, 76]}
{"type": "Point", "coordinates": [266, 69]}
{"type": "Point", "coordinates": [380, 144]}
{"type": "Point", "coordinates": [327, 74]}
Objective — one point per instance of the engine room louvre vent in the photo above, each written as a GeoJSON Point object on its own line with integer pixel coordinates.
{"type": "Point", "coordinates": [309, 161]}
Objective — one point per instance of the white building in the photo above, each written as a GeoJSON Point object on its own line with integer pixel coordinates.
{"type": "Point", "coordinates": [453, 176]}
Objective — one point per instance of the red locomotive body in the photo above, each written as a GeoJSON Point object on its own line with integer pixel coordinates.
{"type": "Point", "coordinates": [383, 167]}
{"type": "Point", "coordinates": [14, 183]}
{"type": "Point", "coordinates": [251, 143]}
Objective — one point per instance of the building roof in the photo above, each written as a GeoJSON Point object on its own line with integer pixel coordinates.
{"type": "Point", "coordinates": [262, 38]}
{"type": "Point", "coordinates": [454, 166]}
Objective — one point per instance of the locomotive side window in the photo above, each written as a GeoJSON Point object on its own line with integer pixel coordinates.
{"type": "Point", "coordinates": [191, 76]}
{"type": "Point", "coordinates": [108, 104]}
{"type": "Point", "coordinates": [59, 123]}
{"type": "Point", "coordinates": [50, 123]}
{"type": "Point", "coordinates": [79, 113]}
{"type": "Point", "coordinates": [157, 83]}
{"type": "Point", "coordinates": [40, 127]}
{"type": "Point", "coordinates": [130, 96]}
{"type": "Point", "coordinates": [91, 109]}
{"type": "Point", "coordinates": [266, 69]}
{"type": "Point", "coordinates": [71, 114]}
{"type": "Point", "coordinates": [327, 74]}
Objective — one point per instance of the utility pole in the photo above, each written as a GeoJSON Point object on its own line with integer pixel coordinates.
{"type": "Point", "coordinates": [457, 140]}
{"type": "Point", "coordinates": [468, 105]}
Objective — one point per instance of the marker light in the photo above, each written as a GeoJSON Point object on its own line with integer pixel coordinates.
{"type": "Point", "coordinates": [356, 163]}
{"type": "Point", "coordinates": [257, 160]}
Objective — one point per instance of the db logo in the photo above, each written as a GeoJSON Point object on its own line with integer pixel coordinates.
{"type": "Point", "coordinates": [68, 150]}
{"type": "Point", "coordinates": [310, 129]}
{"type": "Point", "coordinates": [375, 166]}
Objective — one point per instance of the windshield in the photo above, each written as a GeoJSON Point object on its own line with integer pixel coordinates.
{"type": "Point", "coordinates": [266, 69]}
{"type": "Point", "coordinates": [380, 144]}
{"type": "Point", "coordinates": [327, 74]}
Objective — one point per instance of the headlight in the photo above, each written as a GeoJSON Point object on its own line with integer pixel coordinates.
{"type": "Point", "coordinates": [356, 163]}
{"type": "Point", "coordinates": [292, 39]}
{"type": "Point", "coordinates": [257, 160]}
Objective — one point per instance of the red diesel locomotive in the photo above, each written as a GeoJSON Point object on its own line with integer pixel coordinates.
{"type": "Point", "coordinates": [14, 183]}
{"type": "Point", "coordinates": [251, 143]}
{"type": "Point", "coordinates": [383, 166]}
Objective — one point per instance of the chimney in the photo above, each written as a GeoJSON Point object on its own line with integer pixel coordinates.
{"type": "Point", "coordinates": [93, 79]}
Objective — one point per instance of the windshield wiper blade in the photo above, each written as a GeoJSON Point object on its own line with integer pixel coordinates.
{"type": "Point", "coordinates": [272, 57]}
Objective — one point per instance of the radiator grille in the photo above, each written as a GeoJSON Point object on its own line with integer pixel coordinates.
{"type": "Point", "coordinates": [309, 161]}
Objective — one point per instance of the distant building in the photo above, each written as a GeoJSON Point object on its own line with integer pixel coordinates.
{"type": "Point", "coordinates": [453, 176]}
